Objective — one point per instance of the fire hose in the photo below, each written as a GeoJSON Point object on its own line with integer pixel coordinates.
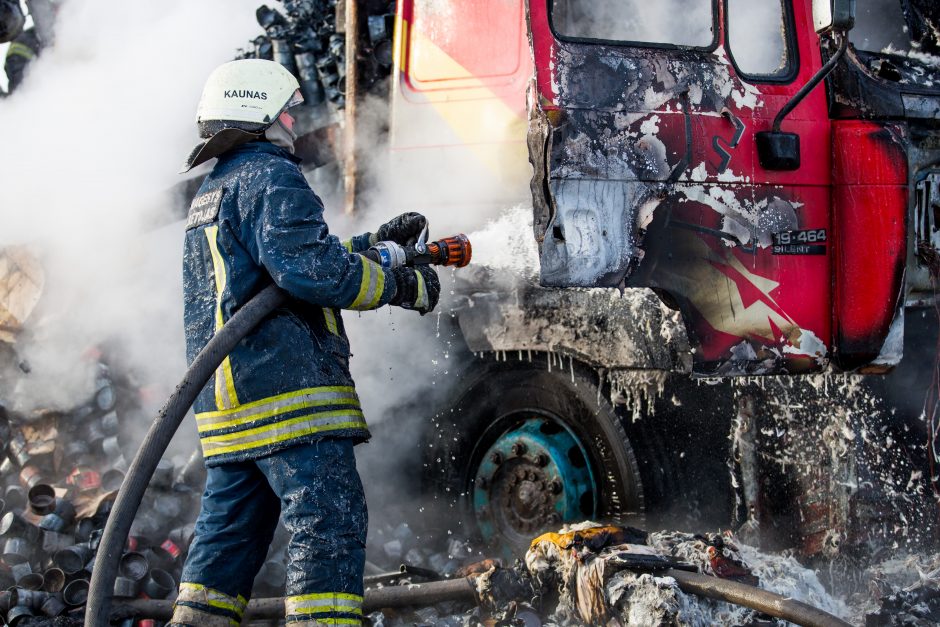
{"type": "Point", "coordinates": [449, 251]}
{"type": "Point", "coordinates": [463, 590]}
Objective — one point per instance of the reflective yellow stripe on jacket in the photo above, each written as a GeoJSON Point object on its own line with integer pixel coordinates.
{"type": "Point", "coordinates": [279, 405]}
{"type": "Point", "coordinates": [302, 413]}
{"type": "Point", "coordinates": [330, 318]}
{"type": "Point", "coordinates": [17, 49]}
{"type": "Point", "coordinates": [275, 433]}
{"type": "Point", "coordinates": [372, 288]}
{"type": "Point", "coordinates": [225, 396]}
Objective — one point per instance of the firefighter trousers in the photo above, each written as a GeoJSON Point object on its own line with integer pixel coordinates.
{"type": "Point", "coordinates": [316, 488]}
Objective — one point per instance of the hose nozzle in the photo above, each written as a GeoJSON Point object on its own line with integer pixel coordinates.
{"type": "Point", "coordinates": [450, 251]}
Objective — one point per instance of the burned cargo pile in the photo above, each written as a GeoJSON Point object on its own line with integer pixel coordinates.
{"type": "Point", "coordinates": [590, 574]}
{"type": "Point", "coordinates": [901, 591]}
{"type": "Point", "coordinates": [60, 474]}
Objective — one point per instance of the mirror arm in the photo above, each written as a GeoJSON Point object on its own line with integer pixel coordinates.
{"type": "Point", "coordinates": [811, 83]}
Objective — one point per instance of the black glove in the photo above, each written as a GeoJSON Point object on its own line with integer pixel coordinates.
{"type": "Point", "coordinates": [418, 288]}
{"type": "Point", "coordinates": [403, 230]}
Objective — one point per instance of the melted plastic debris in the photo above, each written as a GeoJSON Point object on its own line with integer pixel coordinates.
{"type": "Point", "coordinates": [578, 577]}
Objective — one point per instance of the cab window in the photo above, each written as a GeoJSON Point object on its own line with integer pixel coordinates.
{"type": "Point", "coordinates": [636, 21]}
{"type": "Point", "coordinates": [757, 38]}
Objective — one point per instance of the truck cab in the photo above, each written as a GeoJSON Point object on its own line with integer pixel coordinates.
{"type": "Point", "coordinates": [648, 172]}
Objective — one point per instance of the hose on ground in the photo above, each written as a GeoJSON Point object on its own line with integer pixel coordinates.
{"type": "Point", "coordinates": [420, 594]}
{"type": "Point", "coordinates": [754, 598]}
{"type": "Point", "coordinates": [463, 590]}
{"type": "Point", "coordinates": [97, 613]}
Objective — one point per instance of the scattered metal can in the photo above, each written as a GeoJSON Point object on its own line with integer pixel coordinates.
{"type": "Point", "coordinates": [76, 593]}
{"type": "Point", "coordinates": [14, 525]}
{"type": "Point", "coordinates": [17, 614]}
{"type": "Point", "coordinates": [72, 559]}
{"type": "Point", "coordinates": [32, 581]}
{"type": "Point", "coordinates": [16, 551]}
{"type": "Point", "coordinates": [30, 476]}
{"type": "Point", "coordinates": [41, 498]}
{"type": "Point", "coordinates": [172, 549]}
{"type": "Point", "coordinates": [112, 479]}
{"type": "Point", "coordinates": [53, 580]}
{"type": "Point", "coordinates": [83, 529]}
{"type": "Point", "coordinates": [53, 541]}
{"type": "Point", "coordinates": [65, 510]}
{"type": "Point", "coordinates": [125, 587]}
{"type": "Point", "coordinates": [17, 449]}
{"type": "Point", "coordinates": [52, 523]}
{"type": "Point", "coordinates": [159, 584]}
{"type": "Point", "coordinates": [134, 566]}
{"type": "Point", "coordinates": [33, 599]}
{"type": "Point", "coordinates": [84, 478]}
{"type": "Point", "coordinates": [52, 607]}
{"type": "Point", "coordinates": [159, 557]}
{"type": "Point", "coordinates": [18, 571]}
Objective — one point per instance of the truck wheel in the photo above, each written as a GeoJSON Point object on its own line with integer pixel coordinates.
{"type": "Point", "coordinates": [525, 449]}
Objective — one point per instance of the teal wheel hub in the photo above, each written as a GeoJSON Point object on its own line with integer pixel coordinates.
{"type": "Point", "coordinates": [535, 476]}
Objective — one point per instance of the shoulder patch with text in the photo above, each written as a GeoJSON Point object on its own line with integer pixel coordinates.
{"type": "Point", "coordinates": [204, 209]}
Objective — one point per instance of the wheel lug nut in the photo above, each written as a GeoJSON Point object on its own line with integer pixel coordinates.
{"type": "Point", "coordinates": [496, 458]}
{"type": "Point", "coordinates": [541, 460]}
{"type": "Point", "coordinates": [553, 518]}
{"type": "Point", "coordinates": [518, 449]}
{"type": "Point", "coordinates": [555, 486]}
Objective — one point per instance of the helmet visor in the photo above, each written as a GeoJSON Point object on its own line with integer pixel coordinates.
{"type": "Point", "coordinates": [295, 99]}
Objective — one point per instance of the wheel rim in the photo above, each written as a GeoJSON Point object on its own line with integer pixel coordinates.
{"type": "Point", "coordinates": [534, 476]}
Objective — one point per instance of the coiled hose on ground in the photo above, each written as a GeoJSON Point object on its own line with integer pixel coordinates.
{"type": "Point", "coordinates": [155, 444]}
{"type": "Point", "coordinates": [98, 611]}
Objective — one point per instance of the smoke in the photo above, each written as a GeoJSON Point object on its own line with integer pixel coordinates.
{"type": "Point", "coordinates": [93, 139]}
{"type": "Point", "coordinates": [421, 165]}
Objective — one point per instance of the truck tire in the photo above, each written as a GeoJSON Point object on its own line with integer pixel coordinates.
{"type": "Point", "coordinates": [524, 449]}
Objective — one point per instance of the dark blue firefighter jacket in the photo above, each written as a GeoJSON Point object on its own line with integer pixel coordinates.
{"type": "Point", "coordinates": [255, 221]}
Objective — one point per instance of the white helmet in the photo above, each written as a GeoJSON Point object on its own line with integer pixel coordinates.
{"type": "Point", "coordinates": [240, 101]}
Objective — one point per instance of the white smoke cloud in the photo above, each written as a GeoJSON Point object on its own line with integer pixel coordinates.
{"type": "Point", "coordinates": [93, 139]}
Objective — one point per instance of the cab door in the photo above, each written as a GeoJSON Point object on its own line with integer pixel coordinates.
{"type": "Point", "coordinates": [642, 139]}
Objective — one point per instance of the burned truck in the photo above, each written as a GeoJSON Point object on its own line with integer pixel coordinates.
{"type": "Point", "coordinates": [747, 194]}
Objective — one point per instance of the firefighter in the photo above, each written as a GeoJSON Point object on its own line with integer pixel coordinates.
{"type": "Point", "coordinates": [279, 419]}
{"type": "Point", "coordinates": [20, 54]}
{"type": "Point", "coordinates": [26, 44]}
